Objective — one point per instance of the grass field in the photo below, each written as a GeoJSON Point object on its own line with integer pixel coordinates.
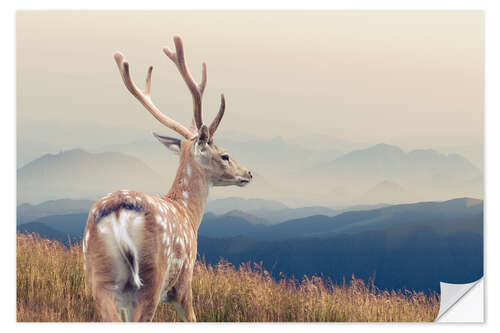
{"type": "Point", "coordinates": [51, 288]}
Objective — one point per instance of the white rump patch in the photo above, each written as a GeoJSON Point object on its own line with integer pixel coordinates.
{"type": "Point", "coordinates": [102, 228]}
{"type": "Point", "coordinates": [123, 243]}
{"type": "Point", "coordinates": [138, 222]}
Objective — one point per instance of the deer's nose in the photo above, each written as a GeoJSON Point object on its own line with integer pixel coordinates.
{"type": "Point", "coordinates": [250, 174]}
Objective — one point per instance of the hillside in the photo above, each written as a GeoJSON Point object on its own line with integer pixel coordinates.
{"type": "Point", "coordinates": [359, 220]}
{"type": "Point", "coordinates": [57, 227]}
{"type": "Point", "coordinates": [230, 224]}
{"type": "Point", "coordinates": [410, 245]}
{"type": "Point", "coordinates": [28, 212]}
{"type": "Point", "coordinates": [415, 257]}
{"type": "Point", "coordinates": [79, 174]}
{"type": "Point", "coordinates": [50, 288]}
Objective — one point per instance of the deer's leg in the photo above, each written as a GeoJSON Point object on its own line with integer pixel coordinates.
{"type": "Point", "coordinates": [181, 297]}
{"type": "Point", "coordinates": [106, 305]}
{"type": "Point", "coordinates": [146, 305]}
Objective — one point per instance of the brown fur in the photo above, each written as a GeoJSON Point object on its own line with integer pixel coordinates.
{"type": "Point", "coordinates": [165, 270]}
{"type": "Point", "coordinates": [130, 232]}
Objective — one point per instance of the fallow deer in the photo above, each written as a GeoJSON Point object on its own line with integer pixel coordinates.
{"type": "Point", "coordinates": [140, 249]}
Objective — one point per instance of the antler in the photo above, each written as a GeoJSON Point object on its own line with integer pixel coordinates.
{"type": "Point", "coordinates": [145, 97]}
{"type": "Point", "coordinates": [218, 118]}
{"type": "Point", "coordinates": [196, 89]}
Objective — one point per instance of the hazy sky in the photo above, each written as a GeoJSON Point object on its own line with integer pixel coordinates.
{"type": "Point", "coordinates": [405, 78]}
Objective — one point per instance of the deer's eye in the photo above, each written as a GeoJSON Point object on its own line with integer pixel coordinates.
{"type": "Point", "coordinates": [225, 157]}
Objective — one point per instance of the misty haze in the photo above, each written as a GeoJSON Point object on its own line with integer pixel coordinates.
{"type": "Point", "coordinates": [363, 132]}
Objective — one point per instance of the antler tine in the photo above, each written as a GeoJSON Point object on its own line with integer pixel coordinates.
{"type": "Point", "coordinates": [145, 97]}
{"type": "Point", "coordinates": [218, 118]}
{"type": "Point", "coordinates": [196, 90]}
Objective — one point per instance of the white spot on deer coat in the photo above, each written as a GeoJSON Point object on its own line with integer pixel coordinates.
{"type": "Point", "coordinates": [185, 194]}
{"type": "Point", "coordinates": [184, 181]}
{"type": "Point", "coordinates": [188, 170]}
{"type": "Point", "coordinates": [161, 221]}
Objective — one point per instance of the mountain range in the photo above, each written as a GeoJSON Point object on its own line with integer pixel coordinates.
{"type": "Point", "coordinates": [388, 174]}
{"type": "Point", "coordinates": [374, 175]}
{"type": "Point", "coordinates": [256, 211]}
{"type": "Point", "coordinates": [410, 246]}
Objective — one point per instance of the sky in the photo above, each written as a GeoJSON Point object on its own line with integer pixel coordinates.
{"type": "Point", "coordinates": [413, 79]}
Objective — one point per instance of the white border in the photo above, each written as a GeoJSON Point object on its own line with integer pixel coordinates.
{"type": "Point", "coordinates": [492, 219]}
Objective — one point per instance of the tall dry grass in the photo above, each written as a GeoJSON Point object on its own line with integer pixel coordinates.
{"type": "Point", "coordinates": [51, 287]}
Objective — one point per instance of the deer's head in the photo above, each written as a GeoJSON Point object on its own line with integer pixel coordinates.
{"type": "Point", "coordinates": [199, 148]}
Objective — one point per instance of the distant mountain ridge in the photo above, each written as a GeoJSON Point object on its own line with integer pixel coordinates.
{"type": "Point", "coordinates": [29, 212]}
{"type": "Point", "coordinates": [80, 174]}
{"type": "Point", "coordinates": [235, 222]}
{"type": "Point", "coordinates": [419, 174]}
{"type": "Point", "coordinates": [356, 221]}
{"type": "Point", "coordinates": [391, 162]}
{"type": "Point", "coordinates": [315, 178]}
{"type": "Point", "coordinates": [412, 246]}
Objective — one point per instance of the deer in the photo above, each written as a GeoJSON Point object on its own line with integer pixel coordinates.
{"type": "Point", "coordinates": [140, 249]}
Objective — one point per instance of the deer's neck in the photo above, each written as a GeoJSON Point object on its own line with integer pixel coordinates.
{"type": "Point", "coordinates": [190, 190]}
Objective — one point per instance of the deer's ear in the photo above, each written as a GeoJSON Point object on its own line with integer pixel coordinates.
{"type": "Point", "coordinates": [171, 143]}
{"type": "Point", "coordinates": [203, 137]}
